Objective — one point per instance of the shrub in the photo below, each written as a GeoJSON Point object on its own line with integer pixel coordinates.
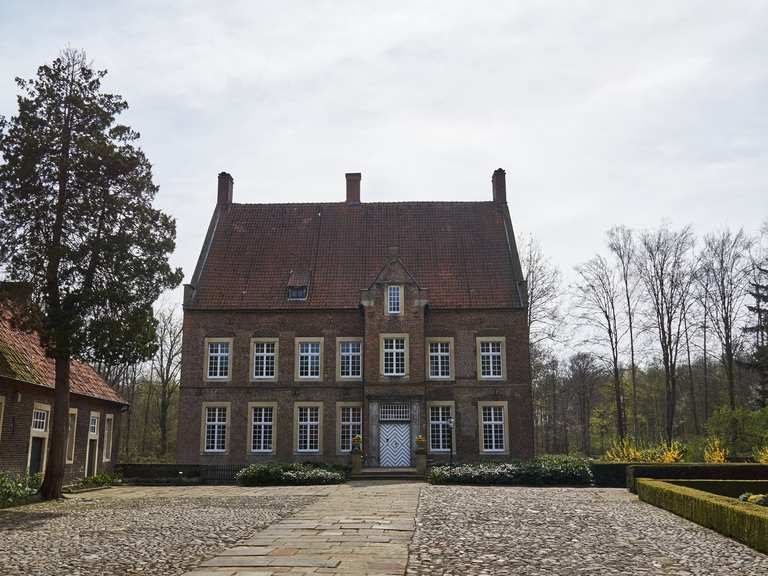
{"type": "Point", "coordinates": [272, 473]}
{"type": "Point", "coordinates": [542, 471]}
{"type": "Point", "coordinates": [714, 451]}
{"type": "Point", "coordinates": [17, 489]}
{"type": "Point", "coordinates": [743, 429]}
{"type": "Point", "coordinates": [623, 451]}
{"type": "Point", "coordinates": [759, 499]}
{"type": "Point", "coordinates": [760, 454]}
{"type": "Point", "coordinates": [98, 480]}
{"type": "Point", "coordinates": [628, 451]}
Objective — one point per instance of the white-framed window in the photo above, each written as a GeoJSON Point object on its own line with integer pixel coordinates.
{"type": "Point", "coordinates": [40, 420]}
{"type": "Point", "coordinates": [93, 425]}
{"type": "Point", "coordinates": [262, 428]}
{"type": "Point", "coordinates": [491, 358]}
{"type": "Point", "coordinates": [71, 435]}
{"type": "Point", "coordinates": [264, 359]}
{"type": "Point", "coordinates": [218, 359]}
{"type": "Point", "coordinates": [108, 425]}
{"type": "Point", "coordinates": [308, 429]}
{"type": "Point", "coordinates": [350, 358]}
{"type": "Point", "coordinates": [440, 431]}
{"type": "Point", "coordinates": [493, 428]}
{"type": "Point", "coordinates": [440, 359]}
{"type": "Point", "coordinates": [309, 359]}
{"type": "Point", "coordinates": [394, 300]}
{"type": "Point", "coordinates": [394, 356]}
{"type": "Point", "coordinates": [350, 425]}
{"type": "Point", "coordinates": [215, 428]}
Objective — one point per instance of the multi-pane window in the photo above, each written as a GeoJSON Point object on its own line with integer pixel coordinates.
{"type": "Point", "coordinates": [218, 359]}
{"type": "Point", "coordinates": [439, 360]}
{"type": "Point", "coordinates": [93, 425]}
{"type": "Point", "coordinates": [264, 359]}
{"type": "Point", "coordinates": [309, 359]}
{"type": "Point", "coordinates": [71, 436]}
{"type": "Point", "coordinates": [493, 428]}
{"type": "Point", "coordinates": [351, 422]}
{"type": "Point", "coordinates": [439, 428]}
{"type": "Point", "coordinates": [393, 299]}
{"type": "Point", "coordinates": [40, 420]}
{"type": "Point", "coordinates": [215, 428]}
{"type": "Point", "coordinates": [394, 356]}
{"type": "Point", "coordinates": [297, 293]}
{"type": "Point", "coordinates": [308, 429]}
{"type": "Point", "coordinates": [262, 422]}
{"type": "Point", "coordinates": [490, 359]}
{"type": "Point", "coordinates": [350, 359]}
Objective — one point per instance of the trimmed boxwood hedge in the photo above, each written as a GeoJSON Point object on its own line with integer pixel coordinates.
{"type": "Point", "coordinates": [729, 488]}
{"type": "Point", "coordinates": [541, 471]}
{"type": "Point", "coordinates": [610, 474]}
{"type": "Point", "coordinates": [696, 472]}
{"type": "Point", "coordinates": [747, 523]}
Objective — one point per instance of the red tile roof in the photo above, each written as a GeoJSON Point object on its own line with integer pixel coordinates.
{"type": "Point", "coordinates": [23, 358]}
{"type": "Point", "coordinates": [458, 251]}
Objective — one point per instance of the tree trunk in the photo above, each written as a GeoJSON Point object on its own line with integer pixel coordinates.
{"type": "Point", "coordinates": [148, 401]}
{"type": "Point", "coordinates": [620, 426]}
{"type": "Point", "coordinates": [57, 438]}
{"type": "Point", "coordinates": [706, 373]}
{"type": "Point", "coordinates": [691, 386]}
{"type": "Point", "coordinates": [164, 404]}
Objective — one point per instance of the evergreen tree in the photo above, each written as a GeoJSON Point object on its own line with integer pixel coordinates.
{"type": "Point", "coordinates": [77, 224]}
{"type": "Point", "coordinates": [758, 360]}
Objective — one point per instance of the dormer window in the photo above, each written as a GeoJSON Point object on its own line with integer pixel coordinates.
{"type": "Point", "coordinates": [394, 299]}
{"type": "Point", "coordinates": [298, 285]}
{"type": "Point", "coordinates": [297, 293]}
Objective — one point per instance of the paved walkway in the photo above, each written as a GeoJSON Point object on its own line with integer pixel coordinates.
{"type": "Point", "coordinates": [356, 528]}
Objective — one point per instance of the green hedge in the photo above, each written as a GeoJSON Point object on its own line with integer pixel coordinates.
{"type": "Point", "coordinates": [301, 473]}
{"type": "Point", "coordinates": [609, 474]}
{"type": "Point", "coordinates": [696, 472]}
{"type": "Point", "coordinates": [542, 471]}
{"type": "Point", "coordinates": [729, 488]}
{"type": "Point", "coordinates": [747, 523]}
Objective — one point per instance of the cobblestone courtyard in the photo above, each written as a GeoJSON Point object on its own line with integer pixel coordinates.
{"type": "Point", "coordinates": [362, 529]}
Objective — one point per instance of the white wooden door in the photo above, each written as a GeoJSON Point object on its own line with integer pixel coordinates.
{"type": "Point", "coordinates": [395, 444]}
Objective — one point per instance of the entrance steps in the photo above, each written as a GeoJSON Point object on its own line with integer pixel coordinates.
{"type": "Point", "coordinates": [388, 474]}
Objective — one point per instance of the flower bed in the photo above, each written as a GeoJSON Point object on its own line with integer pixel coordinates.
{"type": "Point", "coordinates": [743, 521]}
{"type": "Point", "coordinates": [304, 473]}
{"type": "Point", "coordinates": [541, 471]}
{"type": "Point", "coordinates": [16, 490]}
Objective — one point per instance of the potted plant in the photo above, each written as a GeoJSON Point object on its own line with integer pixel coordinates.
{"type": "Point", "coordinates": [357, 453]}
{"type": "Point", "coordinates": [420, 454]}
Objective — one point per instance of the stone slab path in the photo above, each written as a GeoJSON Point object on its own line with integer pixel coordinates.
{"type": "Point", "coordinates": [354, 529]}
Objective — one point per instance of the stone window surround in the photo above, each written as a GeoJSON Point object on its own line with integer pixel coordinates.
{"type": "Point", "coordinates": [339, 341]}
{"type": "Point", "coordinates": [296, 406]}
{"type": "Point", "coordinates": [339, 406]}
{"type": "Point", "coordinates": [249, 426]}
{"type": "Point", "coordinates": [251, 364]}
{"type": "Point", "coordinates": [452, 404]}
{"type": "Point", "coordinates": [297, 344]}
{"type": "Point", "coordinates": [203, 418]}
{"type": "Point", "coordinates": [401, 335]}
{"type": "Point", "coordinates": [206, 358]}
{"type": "Point", "coordinates": [478, 341]}
{"type": "Point", "coordinates": [504, 404]}
{"type": "Point", "coordinates": [39, 434]}
{"type": "Point", "coordinates": [109, 431]}
{"type": "Point", "coordinates": [452, 355]}
{"type": "Point", "coordinates": [72, 435]}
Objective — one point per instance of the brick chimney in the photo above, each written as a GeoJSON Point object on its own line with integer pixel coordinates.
{"type": "Point", "coordinates": [499, 181]}
{"type": "Point", "coordinates": [353, 187]}
{"type": "Point", "coordinates": [225, 189]}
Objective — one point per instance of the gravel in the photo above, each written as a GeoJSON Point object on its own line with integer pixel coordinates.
{"type": "Point", "coordinates": [565, 531]}
{"type": "Point", "coordinates": [157, 536]}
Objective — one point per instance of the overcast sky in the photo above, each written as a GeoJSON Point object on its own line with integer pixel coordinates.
{"type": "Point", "coordinates": [601, 112]}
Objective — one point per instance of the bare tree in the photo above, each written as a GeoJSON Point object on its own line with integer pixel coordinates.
{"type": "Point", "coordinates": [543, 280]}
{"type": "Point", "coordinates": [667, 271]}
{"type": "Point", "coordinates": [727, 265]}
{"type": "Point", "coordinates": [598, 298]}
{"type": "Point", "coordinates": [583, 377]}
{"type": "Point", "coordinates": [166, 367]}
{"type": "Point", "coordinates": [621, 242]}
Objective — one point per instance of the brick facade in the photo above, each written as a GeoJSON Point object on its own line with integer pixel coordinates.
{"type": "Point", "coordinates": [220, 304]}
{"type": "Point", "coordinates": [17, 402]}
